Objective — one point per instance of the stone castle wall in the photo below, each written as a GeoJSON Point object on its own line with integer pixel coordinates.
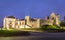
{"type": "Point", "coordinates": [31, 22]}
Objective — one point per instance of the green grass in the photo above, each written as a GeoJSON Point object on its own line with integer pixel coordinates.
{"type": "Point", "coordinates": [49, 27]}
{"type": "Point", "coordinates": [5, 33]}
{"type": "Point", "coordinates": [16, 32]}
{"type": "Point", "coordinates": [30, 29]}
{"type": "Point", "coordinates": [52, 28]}
{"type": "Point", "coordinates": [63, 27]}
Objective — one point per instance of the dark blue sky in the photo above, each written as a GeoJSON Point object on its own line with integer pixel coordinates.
{"type": "Point", "coordinates": [33, 8]}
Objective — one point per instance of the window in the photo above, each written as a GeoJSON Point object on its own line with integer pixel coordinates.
{"type": "Point", "coordinates": [22, 23]}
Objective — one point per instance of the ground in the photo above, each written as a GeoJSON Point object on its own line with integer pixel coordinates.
{"type": "Point", "coordinates": [43, 35]}
{"type": "Point", "coordinates": [38, 36]}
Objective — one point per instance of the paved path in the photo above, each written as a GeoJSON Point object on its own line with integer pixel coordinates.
{"type": "Point", "coordinates": [38, 36]}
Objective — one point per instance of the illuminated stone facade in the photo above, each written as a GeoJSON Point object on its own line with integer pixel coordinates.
{"type": "Point", "coordinates": [27, 22]}
{"type": "Point", "coordinates": [32, 22]}
{"type": "Point", "coordinates": [51, 20]}
{"type": "Point", "coordinates": [11, 22]}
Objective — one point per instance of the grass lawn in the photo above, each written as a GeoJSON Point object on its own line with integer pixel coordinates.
{"type": "Point", "coordinates": [6, 33]}
{"type": "Point", "coordinates": [30, 28]}
{"type": "Point", "coordinates": [16, 32]}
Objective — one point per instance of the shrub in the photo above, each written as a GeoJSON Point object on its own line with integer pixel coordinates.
{"type": "Point", "coordinates": [45, 27]}
{"type": "Point", "coordinates": [62, 24]}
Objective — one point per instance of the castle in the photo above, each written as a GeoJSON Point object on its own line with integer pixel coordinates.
{"type": "Point", "coordinates": [12, 22]}
{"type": "Point", "coordinates": [51, 20]}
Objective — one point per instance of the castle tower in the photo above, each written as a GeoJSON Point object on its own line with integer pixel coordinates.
{"type": "Point", "coordinates": [27, 20]}
{"type": "Point", "coordinates": [4, 22]}
{"type": "Point", "coordinates": [52, 16]}
{"type": "Point", "coordinates": [58, 19]}
{"type": "Point", "coordinates": [38, 23]}
{"type": "Point", "coordinates": [9, 22]}
{"type": "Point", "coordinates": [55, 18]}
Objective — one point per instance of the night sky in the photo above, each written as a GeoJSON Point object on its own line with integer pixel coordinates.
{"type": "Point", "coordinates": [33, 8]}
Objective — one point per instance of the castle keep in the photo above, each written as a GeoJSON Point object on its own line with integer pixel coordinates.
{"type": "Point", "coordinates": [12, 22]}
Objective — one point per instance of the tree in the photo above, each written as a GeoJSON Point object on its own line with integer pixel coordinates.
{"type": "Point", "coordinates": [63, 22]}
{"type": "Point", "coordinates": [64, 18]}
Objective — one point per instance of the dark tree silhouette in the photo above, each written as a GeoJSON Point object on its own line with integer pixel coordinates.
{"type": "Point", "coordinates": [63, 22]}
{"type": "Point", "coordinates": [64, 18]}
